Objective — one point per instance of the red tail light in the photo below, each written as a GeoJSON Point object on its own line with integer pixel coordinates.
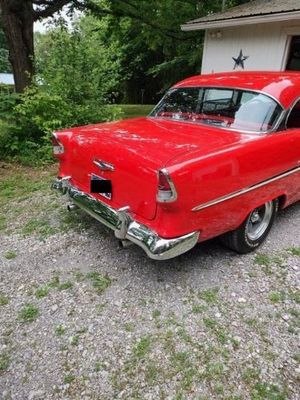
{"type": "Point", "coordinates": [58, 147]}
{"type": "Point", "coordinates": [166, 190]}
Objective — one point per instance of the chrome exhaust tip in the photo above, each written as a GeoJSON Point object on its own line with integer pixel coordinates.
{"type": "Point", "coordinates": [71, 207]}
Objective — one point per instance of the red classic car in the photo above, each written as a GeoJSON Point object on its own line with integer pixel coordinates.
{"type": "Point", "coordinates": [216, 157]}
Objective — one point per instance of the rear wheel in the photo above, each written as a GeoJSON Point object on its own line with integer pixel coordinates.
{"type": "Point", "coordinates": [254, 230]}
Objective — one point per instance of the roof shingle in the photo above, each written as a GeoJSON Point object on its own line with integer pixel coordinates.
{"type": "Point", "coordinates": [251, 9]}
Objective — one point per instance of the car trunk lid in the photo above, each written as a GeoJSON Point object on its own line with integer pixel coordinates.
{"type": "Point", "coordinates": [136, 149]}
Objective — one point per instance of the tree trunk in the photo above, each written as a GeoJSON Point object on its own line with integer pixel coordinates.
{"type": "Point", "coordinates": [17, 21]}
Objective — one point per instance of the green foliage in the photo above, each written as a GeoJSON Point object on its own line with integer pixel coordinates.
{"type": "Point", "coordinates": [28, 313]}
{"type": "Point", "coordinates": [75, 79]}
{"type": "Point", "coordinates": [4, 361]}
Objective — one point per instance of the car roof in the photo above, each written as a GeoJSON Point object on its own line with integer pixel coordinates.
{"type": "Point", "coordinates": [283, 86]}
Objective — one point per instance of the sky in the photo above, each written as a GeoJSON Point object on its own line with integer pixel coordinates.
{"type": "Point", "coordinates": [41, 26]}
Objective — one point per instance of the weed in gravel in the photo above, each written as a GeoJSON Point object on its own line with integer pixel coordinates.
{"type": "Point", "coordinates": [79, 276]}
{"type": "Point", "coordinates": [60, 330]}
{"type": "Point", "coordinates": [185, 336]}
{"type": "Point", "coordinates": [28, 313]}
{"type": "Point", "coordinates": [69, 379]}
{"type": "Point", "coordinates": [3, 224]}
{"type": "Point", "coordinates": [296, 357]}
{"type": "Point", "coordinates": [210, 323]}
{"type": "Point", "coordinates": [4, 362]}
{"type": "Point", "coordinates": [294, 295]}
{"type": "Point", "coordinates": [54, 283]}
{"type": "Point", "coordinates": [100, 308]}
{"type": "Point", "coordinates": [277, 297]}
{"type": "Point", "coordinates": [10, 255]}
{"type": "Point", "coordinates": [4, 300]}
{"type": "Point", "coordinates": [129, 327]}
{"type": "Point", "coordinates": [152, 373]}
{"type": "Point", "coordinates": [99, 282]}
{"type": "Point", "coordinates": [250, 375]}
{"type": "Point", "coordinates": [156, 313]}
{"type": "Point", "coordinates": [295, 251]}
{"type": "Point", "coordinates": [265, 391]}
{"type": "Point", "coordinates": [74, 340]}
{"type": "Point", "coordinates": [219, 331]}
{"type": "Point", "coordinates": [262, 259]}
{"type": "Point", "coordinates": [65, 285]}
{"type": "Point", "coordinates": [142, 347]}
{"type": "Point", "coordinates": [99, 366]}
{"type": "Point", "coordinates": [42, 291]}
{"type": "Point", "coordinates": [214, 370]}
{"type": "Point", "coordinates": [198, 309]}
{"type": "Point", "coordinates": [210, 296]}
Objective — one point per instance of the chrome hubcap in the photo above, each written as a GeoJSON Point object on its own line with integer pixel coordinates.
{"type": "Point", "coordinates": [259, 221]}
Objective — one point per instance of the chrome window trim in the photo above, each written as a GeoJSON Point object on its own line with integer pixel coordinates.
{"type": "Point", "coordinates": [246, 190]}
{"type": "Point", "coordinates": [289, 110]}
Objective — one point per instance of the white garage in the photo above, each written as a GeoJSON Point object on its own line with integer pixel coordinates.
{"type": "Point", "coordinates": [258, 35]}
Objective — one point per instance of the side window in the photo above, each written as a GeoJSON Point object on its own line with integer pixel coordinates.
{"type": "Point", "coordinates": [293, 63]}
{"type": "Point", "coordinates": [294, 117]}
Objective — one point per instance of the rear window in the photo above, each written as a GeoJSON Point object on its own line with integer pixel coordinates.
{"type": "Point", "coordinates": [226, 108]}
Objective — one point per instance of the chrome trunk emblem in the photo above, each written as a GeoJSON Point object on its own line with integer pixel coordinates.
{"type": "Point", "coordinates": [104, 165]}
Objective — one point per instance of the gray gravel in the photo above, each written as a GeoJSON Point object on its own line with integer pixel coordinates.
{"type": "Point", "coordinates": [106, 323]}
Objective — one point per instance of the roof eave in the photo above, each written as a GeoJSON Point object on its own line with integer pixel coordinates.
{"type": "Point", "coordinates": [230, 22]}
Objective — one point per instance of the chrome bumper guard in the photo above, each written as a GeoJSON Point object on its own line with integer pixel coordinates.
{"type": "Point", "coordinates": [125, 227]}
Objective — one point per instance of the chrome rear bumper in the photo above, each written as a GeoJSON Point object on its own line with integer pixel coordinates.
{"type": "Point", "coordinates": [125, 227]}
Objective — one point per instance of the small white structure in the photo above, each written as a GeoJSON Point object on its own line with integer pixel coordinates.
{"type": "Point", "coordinates": [258, 35]}
{"type": "Point", "coordinates": [7, 79]}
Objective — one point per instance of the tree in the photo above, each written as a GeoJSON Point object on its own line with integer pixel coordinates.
{"type": "Point", "coordinates": [17, 18]}
{"type": "Point", "coordinates": [4, 62]}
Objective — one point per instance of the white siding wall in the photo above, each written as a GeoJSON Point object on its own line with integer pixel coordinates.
{"type": "Point", "coordinates": [265, 44]}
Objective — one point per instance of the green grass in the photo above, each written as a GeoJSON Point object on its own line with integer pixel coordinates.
{"type": "Point", "coordinates": [262, 259]}
{"type": "Point", "coordinates": [142, 347]}
{"type": "Point", "coordinates": [74, 340]}
{"type": "Point", "coordinates": [40, 226]}
{"type": "Point", "coordinates": [135, 110]}
{"type": "Point", "coordinates": [4, 362]}
{"type": "Point", "coordinates": [28, 313]}
{"type": "Point", "coordinates": [99, 282]}
{"type": "Point", "coordinates": [295, 251]}
{"type": "Point", "coordinates": [10, 255]}
{"type": "Point", "coordinates": [60, 330]}
{"type": "Point", "coordinates": [19, 184]}
{"type": "Point", "coordinates": [69, 379]}
{"type": "Point", "coordinates": [3, 224]}
{"type": "Point", "coordinates": [65, 285]}
{"type": "Point", "coordinates": [276, 297]}
{"type": "Point", "coordinates": [210, 296]}
{"type": "Point", "coordinates": [265, 391]}
{"type": "Point", "coordinates": [156, 313]}
{"type": "Point", "coordinates": [42, 291]}
{"type": "Point", "coordinates": [3, 299]}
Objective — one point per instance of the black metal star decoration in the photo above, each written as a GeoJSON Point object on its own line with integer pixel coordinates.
{"type": "Point", "coordinates": [239, 61]}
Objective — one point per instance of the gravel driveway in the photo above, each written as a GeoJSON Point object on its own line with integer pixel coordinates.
{"type": "Point", "coordinates": [81, 318]}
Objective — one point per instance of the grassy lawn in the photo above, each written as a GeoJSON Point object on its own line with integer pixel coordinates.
{"type": "Point", "coordinates": [135, 110]}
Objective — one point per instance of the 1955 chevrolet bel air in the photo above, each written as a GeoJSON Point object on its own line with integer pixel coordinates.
{"type": "Point", "coordinates": [216, 157]}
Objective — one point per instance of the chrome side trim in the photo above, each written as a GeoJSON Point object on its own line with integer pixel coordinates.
{"type": "Point", "coordinates": [246, 190]}
{"type": "Point", "coordinates": [104, 165]}
{"type": "Point", "coordinates": [126, 228]}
